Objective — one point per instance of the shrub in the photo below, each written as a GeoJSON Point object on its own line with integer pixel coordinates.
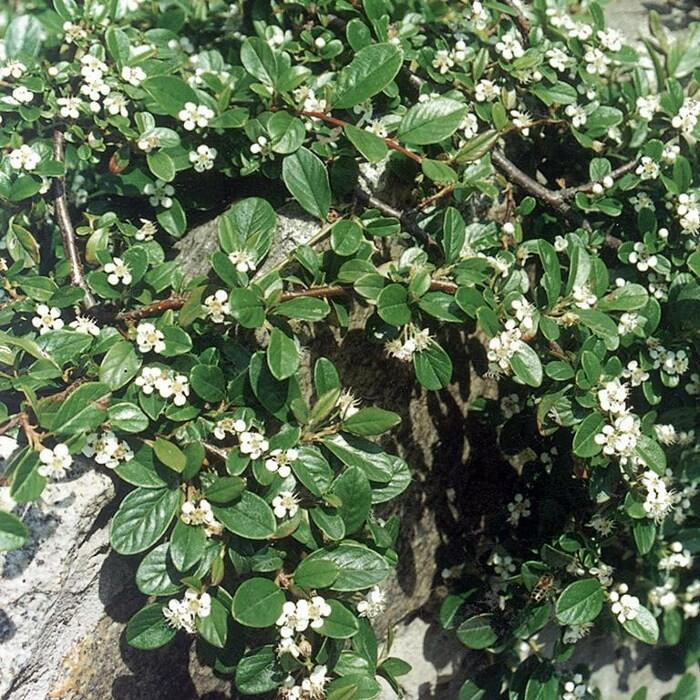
{"type": "Point", "coordinates": [545, 200]}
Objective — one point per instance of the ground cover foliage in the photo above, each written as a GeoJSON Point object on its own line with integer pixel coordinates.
{"type": "Point", "coordinates": [549, 207]}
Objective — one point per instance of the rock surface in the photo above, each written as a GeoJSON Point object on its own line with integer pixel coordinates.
{"type": "Point", "coordinates": [64, 599]}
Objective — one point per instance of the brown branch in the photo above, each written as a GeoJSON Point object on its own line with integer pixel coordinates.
{"type": "Point", "coordinates": [66, 225]}
{"type": "Point", "coordinates": [520, 22]}
{"type": "Point", "coordinates": [390, 143]}
{"type": "Point", "coordinates": [62, 395]}
{"type": "Point", "coordinates": [440, 194]}
{"type": "Point", "coordinates": [316, 293]}
{"type": "Point", "coordinates": [616, 174]}
{"type": "Point", "coordinates": [154, 309]}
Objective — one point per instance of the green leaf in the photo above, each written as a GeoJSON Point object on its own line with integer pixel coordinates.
{"type": "Point", "coordinates": [579, 602]}
{"type": "Point", "coordinates": [433, 367]}
{"type": "Point", "coordinates": [368, 144]}
{"type": "Point", "coordinates": [340, 624]}
{"type": "Point", "coordinates": [257, 603]}
{"type": "Point", "coordinates": [306, 178]}
{"type": "Point", "coordinates": [259, 60]}
{"type": "Point", "coordinates": [358, 452]}
{"type": "Point", "coordinates": [282, 355]}
{"type": "Point", "coordinates": [161, 165]}
{"type": "Point", "coordinates": [431, 121]}
{"type": "Point", "coordinates": [119, 365]}
{"type": "Point", "coordinates": [643, 627]}
{"type": "Point", "coordinates": [346, 237]}
{"type": "Point", "coordinates": [208, 382]}
{"type": "Point", "coordinates": [169, 93]}
{"type": "Point", "coordinates": [259, 672]}
{"type": "Point", "coordinates": [479, 146]}
{"type": "Point", "coordinates": [83, 410]}
{"type": "Point", "coordinates": [13, 532]}
{"type": "Point", "coordinates": [250, 517]}
{"type": "Point", "coordinates": [629, 297]}
{"type": "Point", "coordinates": [584, 439]}
{"type": "Point", "coordinates": [156, 574]}
{"type": "Point", "coordinates": [224, 489]}
{"type": "Point", "coordinates": [148, 628]}
{"type": "Point", "coordinates": [246, 308]}
{"type": "Point", "coordinates": [355, 493]}
{"type": "Point", "coordinates": [23, 36]}
{"type": "Point", "coordinates": [477, 632]}
{"type": "Point", "coordinates": [359, 566]}
{"type": "Point", "coordinates": [353, 687]}
{"type": "Point", "coordinates": [392, 305]}
{"type": "Point", "coordinates": [371, 421]}
{"type": "Point", "coordinates": [170, 454]}
{"type": "Point", "coordinates": [27, 484]}
{"type": "Point", "coordinates": [173, 220]}
{"type": "Point", "coordinates": [316, 573]}
{"type": "Point", "coordinates": [214, 627]}
{"type": "Point", "coordinates": [453, 234]}
{"type": "Point", "coordinates": [142, 519]}
{"type": "Point", "coordinates": [687, 688]}
{"type": "Point", "coordinates": [186, 545]}
{"type": "Point", "coordinates": [127, 417]}
{"type": "Point", "coordinates": [117, 43]}
{"type": "Point", "coordinates": [369, 72]}
{"type": "Point", "coordinates": [305, 308]}
{"type": "Point", "coordinates": [526, 365]}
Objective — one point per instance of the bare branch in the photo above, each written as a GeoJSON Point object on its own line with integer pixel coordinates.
{"type": "Point", "coordinates": [154, 309]}
{"type": "Point", "coordinates": [66, 225]}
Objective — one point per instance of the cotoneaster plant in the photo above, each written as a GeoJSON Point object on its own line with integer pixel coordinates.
{"type": "Point", "coordinates": [545, 200]}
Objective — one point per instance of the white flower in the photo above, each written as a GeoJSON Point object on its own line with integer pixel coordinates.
{"type": "Point", "coordinates": [583, 296]}
{"type": "Point", "coordinates": [228, 425]}
{"type": "Point", "coordinates": [443, 61]}
{"type": "Point", "coordinates": [621, 437]}
{"type": "Point", "coordinates": [648, 169]}
{"type": "Point", "coordinates": [203, 158]}
{"type": "Point", "coordinates": [521, 120]}
{"type": "Point", "coordinates": [693, 385]}
{"type": "Point", "coordinates": [306, 97]}
{"type": "Point", "coordinates": [575, 633]}
{"type": "Point", "coordinates": [148, 142]}
{"type": "Point", "coordinates": [193, 116]}
{"type": "Point", "coordinates": [612, 397]}
{"type": "Point", "coordinates": [106, 449]}
{"type": "Point", "coordinates": [687, 118]}
{"type": "Point", "coordinates": [286, 504]}
{"type": "Point", "coordinates": [486, 91]}
{"type": "Point", "coordinates": [47, 319]}
{"type": "Point", "coordinates": [149, 379]}
{"type": "Point", "coordinates": [347, 404]}
{"type": "Point", "coordinates": [160, 193]}
{"type": "Point", "coordinates": [116, 103]}
{"type": "Point", "coordinates": [582, 32]}
{"type": "Point", "coordinates": [509, 47]}
{"type": "Point", "coordinates": [373, 604]}
{"type": "Point", "coordinates": [69, 107]}
{"type": "Point", "coordinates": [177, 388]}
{"type": "Point", "coordinates": [313, 686]}
{"type": "Point", "coordinates": [199, 605]}
{"type": "Point", "coordinates": [575, 688]}
{"type": "Point", "coordinates": [558, 59]}
{"type": "Point", "coordinates": [287, 645]}
{"type": "Point", "coordinates": [642, 257]}
{"type": "Point", "coordinates": [54, 462]}
{"type": "Point", "coordinates": [629, 322]}
{"type": "Point", "coordinates": [216, 306]}
{"type": "Point", "coordinates": [510, 405]}
{"type": "Point", "coordinates": [279, 461]}
{"type": "Point", "coordinates": [73, 32]}
{"type": "Point", "coordinates": [518, 508]}
{"type": "Point", "coordinates": [503, 564]}
{"type": "Point", "coordinates": [243, 260]}
{"type": "Point", "coordinates": [689, 213]}
{"type": "Point", "coordinates": [611, 39]}
{"type": "Point", "coordinates": [253, 444]}
{"type": "Point", "coordinates": [524, 312]}
{"type": "Point", "coordinates": [24, 158]}
{"type": "Point", "coordinates": [504, 345]}
{"type": "Point", "coordinates": [178, 616]}
{"type": "Point", "coordinates": [666, 434]}
{"type": "Point", "coordinates": [133, 75]}
{"type": "Point", "coordinates": [148, 338]}
{"type": "Point", "coordinates": [479, 15]}
{"type": "Point", "coordinates": [117, 272]}
{"type": "Point", "coordinates": [294, 618]}
{"type": "Point", "coordinates": [602, 525]}
{"type": "Point", "coordinates": [22, 95]}
{"type": "Point", "coordinates": [624, 606]}
{"type": "Point", "coordinates": [560, 244]}
{"type": "Point", "coordinates": [577, 114]}
{"type": "Point", "coordinates": [13, 69]}
{"type": "Point", "coordinates": [316, 610]}
{"type": "Point", "coordinates": [7, 446]}
{"type": "Point", "coordinates": [597, 62]}
{"type": "Point", "coordinates": [259, 146]}
{"type": "Point", "coordinates": [603, 572]}
{"type": "Point", "coordinates": [146, 232]}
{"type": "Point", "coordinates": [647, 107]}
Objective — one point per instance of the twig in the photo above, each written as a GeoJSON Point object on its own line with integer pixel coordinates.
{"type": "Point", "coordinates": [571, 192]}
{"type": "Point", "coordinates": [520, 22]}
{"type": "Point", "coordinates": [62, 395]}
{"type": "Point", "coordinates": [316, 293]}
{"type": "Point", "coordinates": [66, 225]}
{"type": "Point", "coordinates": [154, 309]}
{"type": "Point", "coordinates": [390, 143]}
